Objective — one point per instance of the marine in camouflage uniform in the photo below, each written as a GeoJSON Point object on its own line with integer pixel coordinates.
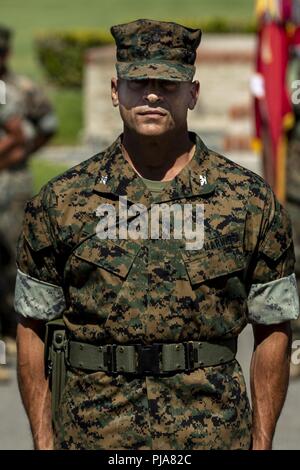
{"type": "Point", "coordinates": [26, 103]}
{"type": "Point", "coordinates": [147, 291]}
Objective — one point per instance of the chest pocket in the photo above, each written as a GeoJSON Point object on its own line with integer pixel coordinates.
{"type": "Point", "coordinates": [218, 257]}
{"type": "Point", "coordinates": [95, 273]}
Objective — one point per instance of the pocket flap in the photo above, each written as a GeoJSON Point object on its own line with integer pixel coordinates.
{"type": "Point", "coordinates": [108, 254]}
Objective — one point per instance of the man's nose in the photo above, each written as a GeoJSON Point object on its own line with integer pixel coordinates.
{"type": "Point", "coordinates": [152, 97]}
{"type": "Point", "coordinates": [152, 93]}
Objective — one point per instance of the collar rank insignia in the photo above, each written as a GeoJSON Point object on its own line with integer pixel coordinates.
{"type": "Point", "coordinates": [203, 180]}
{"type": "Point", "coordinates": [103, 179]}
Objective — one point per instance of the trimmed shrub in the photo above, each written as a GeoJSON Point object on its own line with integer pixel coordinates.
{"type": "Point", "coordinates": [223, 26]}
{"type": "Point", "coordinates": [61, 54]}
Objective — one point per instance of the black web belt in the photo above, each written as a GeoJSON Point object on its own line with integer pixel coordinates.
{"type": "Point", "coordinates": [152, 359]}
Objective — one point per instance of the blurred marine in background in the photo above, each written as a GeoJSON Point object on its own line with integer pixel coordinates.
{"type": "Point", "coordinates": [27, 121]}
{"type": "Point", "coordinates": [277, 113]}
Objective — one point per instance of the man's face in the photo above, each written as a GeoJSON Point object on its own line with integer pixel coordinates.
{"type": "Point", "coordinates": [154, 107]}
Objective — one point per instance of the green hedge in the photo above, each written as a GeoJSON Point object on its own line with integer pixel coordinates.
{"type": "Point", "coordinates": [61, 53]}
{"type": "Point", "coordinates": [223, 25]}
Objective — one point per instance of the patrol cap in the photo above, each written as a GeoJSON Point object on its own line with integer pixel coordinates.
{"type": "Point", "coordinates": [155, 49]}
{"type": "Point", "coordinates": [5, 37]}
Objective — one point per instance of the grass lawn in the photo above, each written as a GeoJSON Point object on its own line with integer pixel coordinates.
{"type": "Point", "coordinates": [32, 16]}
{"type": "Point", "coordinates": [43, 172]}
{"type": "Point", "coordinates": [68, 105]}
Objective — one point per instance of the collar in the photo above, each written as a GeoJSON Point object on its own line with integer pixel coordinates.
{"type": "Point", "coordinates": [116, 176]}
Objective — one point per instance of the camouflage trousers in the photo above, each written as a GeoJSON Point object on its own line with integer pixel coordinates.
{"type": "Point", "coordinates": [15, 190]}
{"type": "Point", "coordinates": [201, 410]}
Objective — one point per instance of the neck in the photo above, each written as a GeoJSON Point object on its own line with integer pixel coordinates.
{"type": "Point", "coordinates": [158, 157]}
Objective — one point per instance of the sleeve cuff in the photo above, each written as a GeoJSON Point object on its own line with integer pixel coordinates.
{"type": "Point", "coordinates": [48, 124]}
{"type": "Point", "coordinates": [274, 302]}
{"type": "Point", "coordinates": [38, 299]}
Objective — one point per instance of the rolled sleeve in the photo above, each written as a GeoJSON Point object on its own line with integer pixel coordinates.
{"type": "Point", "coordinates": [12, 108]}
{"type": "Point", "coordinates": [41, 112]}
{"type": "Point", "coordinates": [48, 124]}
{"type": "Point", "coordinates": [274, 302]}
{"type": "Point", "coordinates": [38, 299]}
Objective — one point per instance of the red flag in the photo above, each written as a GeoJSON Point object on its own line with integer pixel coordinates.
{"type": "Point", "coordinates": [273, 109]}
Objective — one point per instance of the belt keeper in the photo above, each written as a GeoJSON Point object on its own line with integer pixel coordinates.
{"type": "Point", "coordinates": [67, 352]}
{"type": "Point", "coordinates": [189, 356]}
{"type": "Point", "coordinates": [110, 358]}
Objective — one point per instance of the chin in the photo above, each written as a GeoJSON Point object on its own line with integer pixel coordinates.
{"type": "Point", "coordinates": [151, 130]}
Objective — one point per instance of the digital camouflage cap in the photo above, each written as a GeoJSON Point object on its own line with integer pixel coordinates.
{"type": "Point", "coordinates": [155, 49]}
{"type": "Point", "coordinates": [5, 37]}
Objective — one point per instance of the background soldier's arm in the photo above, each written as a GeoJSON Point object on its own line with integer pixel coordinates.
{"type": "Point", "coordinates": [33, 385]}
{"type": "Point", "coordinates": [26, 132]}
{"type": "Point", "coordinates": [39, 141]}
{"type": "Point", "coordinates": [269, 378]}
{"type": "Point", "coordinates": [12, 143]}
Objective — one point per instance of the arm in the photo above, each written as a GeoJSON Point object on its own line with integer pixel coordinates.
{"type": "Point", "coordinates": [15, 145]}
{"type": "Point", "coordinates": [13, 137]}
{"type": "Point", "coordinates": [16, 153]}
{"type": "Point", "coordinates": [33, 385]}
{"type": "Point", "coordinates": [11, 158]}
{"type": "Point", "coordinates": [39, 141]}
{"type": "Point", "coordinates": [269, 377]}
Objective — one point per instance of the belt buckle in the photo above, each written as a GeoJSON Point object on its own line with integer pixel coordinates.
{"type": "Point", "coordinates": [148, 359]}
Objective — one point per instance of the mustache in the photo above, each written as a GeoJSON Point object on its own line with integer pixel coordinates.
{"type": "Point", "coordinates": [147, 110]}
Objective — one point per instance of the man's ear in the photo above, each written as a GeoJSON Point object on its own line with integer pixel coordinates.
{"type": "Point", "coordinates": [194, 94]}
{"type": "Point", "coordinates": [114, 92]}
